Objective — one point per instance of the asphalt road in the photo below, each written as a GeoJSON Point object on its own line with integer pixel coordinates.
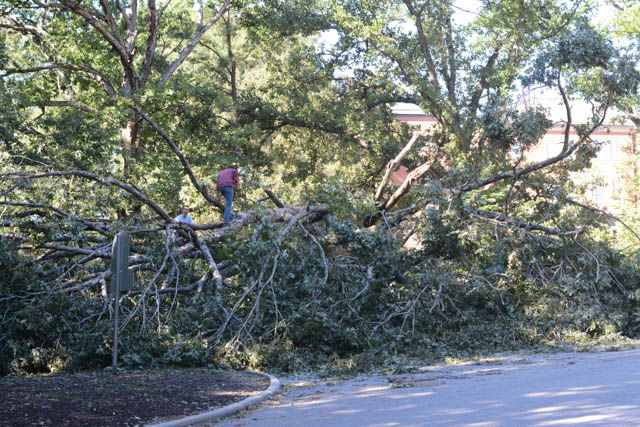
{"type": "Point", "coordinates": [539, 390]}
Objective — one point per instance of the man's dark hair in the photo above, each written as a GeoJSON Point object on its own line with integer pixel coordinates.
{"type": "Point", "coordinates": [231, 167]}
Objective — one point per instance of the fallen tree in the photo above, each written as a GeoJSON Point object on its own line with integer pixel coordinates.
{"type": "Point", "coordinates": [295, 282]}
{"type": "Point", "coordinates": [499, 258]}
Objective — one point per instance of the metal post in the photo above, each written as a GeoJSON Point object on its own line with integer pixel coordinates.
{"type": "Point", "coordinates": [121, 280]}
{"type": "Point", "coordinates": [116, 292]}
{"type": "Point", "coordinates": [114, 363]}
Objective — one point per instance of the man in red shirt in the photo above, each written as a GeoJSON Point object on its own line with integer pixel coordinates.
{"type": "Point", "coordinates": [228, 179]}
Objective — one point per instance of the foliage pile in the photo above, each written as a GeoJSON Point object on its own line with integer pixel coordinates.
{"type": "Point", "coordinates": [479, 249]}
{"type": "Point", "coordinates": [331, 293]}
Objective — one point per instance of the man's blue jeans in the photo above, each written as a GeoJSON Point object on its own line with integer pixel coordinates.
{"type": "Point", "coordinates": [227, 192]}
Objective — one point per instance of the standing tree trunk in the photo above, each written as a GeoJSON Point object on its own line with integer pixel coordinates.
{"type": "Point", "coordinates": [131, 147]}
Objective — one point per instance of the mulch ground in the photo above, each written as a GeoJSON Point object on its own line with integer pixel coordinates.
{"type": "Point", "coordinates": [127, 399]}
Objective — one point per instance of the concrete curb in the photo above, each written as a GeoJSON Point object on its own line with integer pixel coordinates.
{"type": "Point", "coordinates": [211, 416]}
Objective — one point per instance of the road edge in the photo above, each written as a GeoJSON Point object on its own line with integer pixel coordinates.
{"type": "Point", "coordinates": [217, 414]}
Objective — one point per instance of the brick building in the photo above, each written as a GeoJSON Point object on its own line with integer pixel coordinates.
{"type": "Point", "coordinates": [611, 172]}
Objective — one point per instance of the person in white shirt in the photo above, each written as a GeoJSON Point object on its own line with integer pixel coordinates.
{"type": "Point", "coordinates": [184, 216]}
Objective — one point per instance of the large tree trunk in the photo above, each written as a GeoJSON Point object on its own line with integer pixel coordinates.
{"type": "Point", "coordinates": [130, 145]}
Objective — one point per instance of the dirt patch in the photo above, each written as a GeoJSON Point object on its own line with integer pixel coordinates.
{"type": "Point", "coordinates": [127, 399]}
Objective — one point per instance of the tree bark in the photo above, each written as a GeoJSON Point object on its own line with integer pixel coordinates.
{"type": "Point", "coordinates": [393, 165]}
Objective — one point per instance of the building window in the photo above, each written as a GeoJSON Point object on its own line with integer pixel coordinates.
{"type": "Point", "coordinates": [616, 189]}
{"type": "Point", "coordinates": [600, 195]}
{"type": "Point", "coordinates": [616, 150]}
{"type": "Point", "coordinates": [604, 151]}
{"type": "Point", "coordinates": [553, 149]}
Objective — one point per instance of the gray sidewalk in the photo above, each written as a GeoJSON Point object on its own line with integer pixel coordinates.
{"type": "Point", "coordinates": [538, 390]}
